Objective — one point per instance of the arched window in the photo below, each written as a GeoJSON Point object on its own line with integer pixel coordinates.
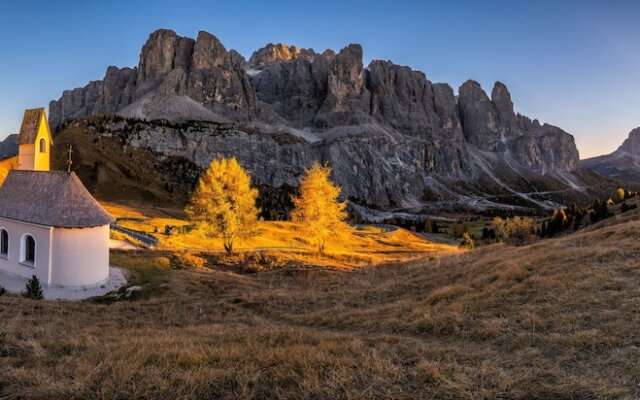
{"type": "Point", "coordinates": [43, 145]}
{"type": "Point", "coordinates": [28, 250]}
{"type": "Point", "coordinates": [4, 243]}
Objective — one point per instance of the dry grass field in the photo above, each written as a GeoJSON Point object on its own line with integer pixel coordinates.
{"type": "Point", "coordinates": [554, 320]}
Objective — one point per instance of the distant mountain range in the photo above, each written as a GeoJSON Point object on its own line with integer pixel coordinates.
{"type": "Point", "coordinates": [9, 146]}
{"type": "Point", "coordinates": [395, 140]}
{"type": "Point", "coordinates": [623, 164]}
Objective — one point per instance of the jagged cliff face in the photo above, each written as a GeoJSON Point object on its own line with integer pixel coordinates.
{"type": "Point", "coordinates": [623, 164]}
{"type": "Point", "coordinates": [274, 53]}
{"type": "Point", "coordinates": [632, 143]}
{"type": "Point", "coordinates": [393, 138]}
{"type": "Point", "coordinates": [176, 78]}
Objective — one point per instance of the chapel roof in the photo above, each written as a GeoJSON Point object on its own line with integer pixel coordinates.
{"type": "Point", "coordinates": [30, 125]}
{"type": "Point", "coordinates": [50, 198]}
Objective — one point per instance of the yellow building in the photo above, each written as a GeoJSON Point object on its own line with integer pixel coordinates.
{"type": "Point", "coordinates": [34, 141]}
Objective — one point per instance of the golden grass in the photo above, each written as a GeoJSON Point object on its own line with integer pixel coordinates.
{"type": "Point", "coordinates": [139, 210]}
{"type": "Point", "coordinates": [125, 238]}
{"type": "Point", "coordinates": [370, 229]}
{"type": "Point", "coordinates": [284, 241]}
{"type": "Point", "coordinates": [7, 165]}
{"type": "Point", "coordinates": [556, 319]}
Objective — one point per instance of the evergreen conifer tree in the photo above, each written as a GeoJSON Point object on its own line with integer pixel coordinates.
{"type": "Point", "coordinates": [33, 290]}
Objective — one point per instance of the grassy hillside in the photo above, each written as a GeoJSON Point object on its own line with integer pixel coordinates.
{"type": "Point", "coordinates": [557, 319]}
{"type": "Point", "coordinates": [115, 172]}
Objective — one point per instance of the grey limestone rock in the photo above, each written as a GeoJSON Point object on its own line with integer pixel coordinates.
{"type": "Point", "coordinates": [393, 138]}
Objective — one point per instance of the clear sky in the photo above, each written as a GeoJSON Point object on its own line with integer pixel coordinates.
{"type": "Point", "coordinates": [575, 64]}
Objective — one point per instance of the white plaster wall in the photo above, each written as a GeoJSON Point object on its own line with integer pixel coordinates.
{"type": "Point", "coordinates": [80, 256]}
{"type": "Point", "coordinates": [12, 264]}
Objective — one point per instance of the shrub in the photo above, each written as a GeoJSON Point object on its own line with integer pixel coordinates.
{"type": "Point", "coordinates": [626, 207]}
{"type": "Point", "coordinates": [488, 234]}
{"type": "Point", "coordinates": [467, 242]}
{"type": "Point", "coordinates": [187, 260]}
{"type": "Point", "coordinates": [517, 231]}
{"type": "Point", "coordinates": [2, 291]}
{"type": "Point", "coordinates": [578, 220]}
{"type": "Point", "coordinates": [599, 211]}
{"type": "Point", "coordinates": [428, 227]}
{"type": "Point", "coordinates": [33, 290]}
{"type": "Point", "coordinates": [559, 222]}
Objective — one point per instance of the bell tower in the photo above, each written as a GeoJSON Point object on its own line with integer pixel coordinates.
{"type": "Point", "coordinates": [34, 141]}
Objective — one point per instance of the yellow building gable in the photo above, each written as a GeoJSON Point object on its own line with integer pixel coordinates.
{"type": "Point", "coordinates": [34, 152]}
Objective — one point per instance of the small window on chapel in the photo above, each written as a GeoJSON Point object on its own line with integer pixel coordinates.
{"type": "Point", "coordinates": [29, 250]}
{"type": "Point", "coordinates": [4, 243]}
{"type": "Point", "coordinates": [43, 145]}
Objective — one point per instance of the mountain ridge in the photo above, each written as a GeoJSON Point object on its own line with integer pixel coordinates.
{"type": "Point", "coordinates": [393, 138]}
{"type": "Point", "coordinates": [623, 163]}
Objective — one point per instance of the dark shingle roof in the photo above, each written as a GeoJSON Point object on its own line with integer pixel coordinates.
{"type": "Point", "coordinates": [51, 198]}
{"type": "Point", "coordinates": [29, 127]}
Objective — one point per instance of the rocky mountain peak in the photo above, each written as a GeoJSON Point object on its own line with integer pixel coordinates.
{"type": "Point", "coordinates": [329, 54]}
{"type": "Point", "coordinates": [632, 143]}
{"type": "Point", "coordinates": [635, 134]}
{"type": "Point", "coordinates": [472, 89]}
{"type": "Point", "coordinates": [208, 52]}
{"type": "Point", "coordinates": [622, 163]}
{"type": "Point", "coordinates": [273, 53]}
{"type": "Point", "coordinates": [348, 99]}
{"type": "Point", "coordinates": [351, 56]}
{"type": "Point", "coordinates": [501, 99]}
{"type": "Point", "coordinates": [478, 116]}
{"type": "Point", "coordinates": [163, 51]}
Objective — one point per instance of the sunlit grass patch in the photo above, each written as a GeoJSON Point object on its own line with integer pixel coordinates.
{"type": "Point", "coordinates": [344, 249]}
{"type": "Point", "coordinates": [7, 165]}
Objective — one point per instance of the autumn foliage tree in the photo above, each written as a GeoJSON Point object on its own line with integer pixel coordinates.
{"type": "Point", "coordinates": [517, 230]}
{"type": "Point", "coordinates": [621, 194]}
{"type": "Point", "coordinates": [224, 203]}
{"type": "Point", "coordinates": [318, 209]}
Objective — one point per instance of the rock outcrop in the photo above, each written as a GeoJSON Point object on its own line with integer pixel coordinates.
{"type": "Point", "coordinates": [347, 100]}
{"type": "Point", "coordinates": [273, 53]}
{"type": "Point", "coordinates": [632, 143]}
{"type": "Point", "coordinates": [394, 138]}
{"type": "Point", "coordinates": [623, 164]}
{"type": "Point", "coordinates": [294, 90]}
{"type": "Point", "coordinates": [402, 98]}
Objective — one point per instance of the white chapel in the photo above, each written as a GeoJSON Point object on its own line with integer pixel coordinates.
{"type": "Point", "coordinates": [50, 225]}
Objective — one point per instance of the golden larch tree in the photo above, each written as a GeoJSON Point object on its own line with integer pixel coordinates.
{"type": "Point", "coordinates": [224, 203]}
{"type": "Point", "coordinates": [318, 209]}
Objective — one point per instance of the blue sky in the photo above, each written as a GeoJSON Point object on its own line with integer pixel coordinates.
{"type": "Point", "coordinates": [575, 64]}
